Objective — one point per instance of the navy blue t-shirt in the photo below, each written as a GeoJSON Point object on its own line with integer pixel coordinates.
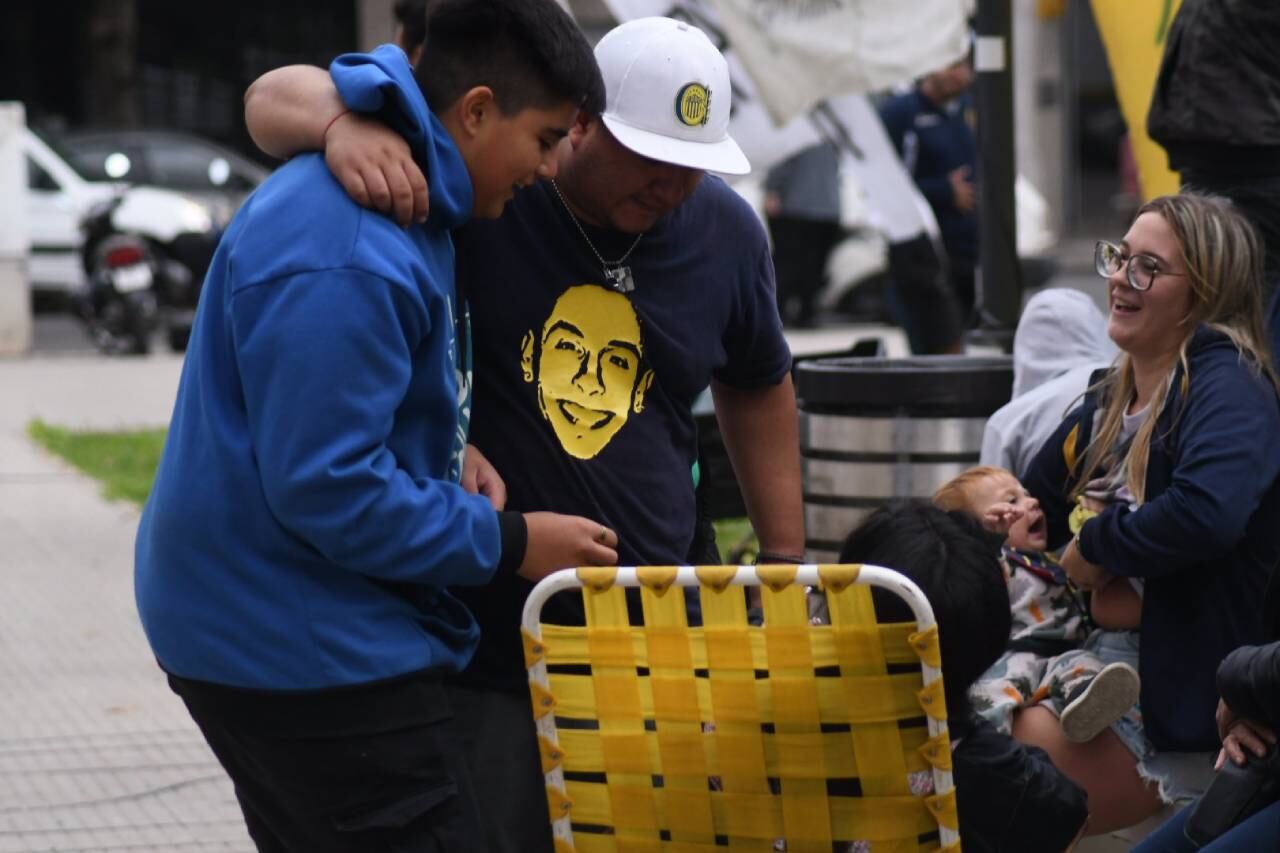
{"type": "Point", "coordinates": [583, 395]}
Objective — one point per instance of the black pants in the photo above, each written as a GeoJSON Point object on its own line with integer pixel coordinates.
{"type": "Point", "coordinates": [922, 300]}
{"type": "Point", "coordinates": [800, 250]}
{"type": "Point", "coordinates": [374, 769]}
{"type": "Point", "coordinates": [501, 744]}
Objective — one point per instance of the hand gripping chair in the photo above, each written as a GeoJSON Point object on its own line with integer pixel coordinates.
{"type": "Point", "coordinates": [733, 737]}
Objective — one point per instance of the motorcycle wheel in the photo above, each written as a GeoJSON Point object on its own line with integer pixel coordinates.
{"type": "Point", "coordinates": [179, 337]}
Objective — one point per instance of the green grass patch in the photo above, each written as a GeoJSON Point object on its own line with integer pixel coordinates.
{"type": "Point", "coordinates": [735, 534]}
{"type": "Point", "coordinates": [124, 462]}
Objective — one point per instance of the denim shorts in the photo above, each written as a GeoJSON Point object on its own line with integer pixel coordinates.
{"type": "Point", "coordinates": [1179, 776]}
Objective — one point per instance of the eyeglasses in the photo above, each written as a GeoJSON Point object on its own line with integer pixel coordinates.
{"type": "Point", "coordinates": [1140, 270]}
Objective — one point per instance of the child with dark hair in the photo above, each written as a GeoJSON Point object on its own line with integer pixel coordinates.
{"type": "Point", "coordinates": [1010, 797]}
{"type": "Point", "coordinates": [317, 495]}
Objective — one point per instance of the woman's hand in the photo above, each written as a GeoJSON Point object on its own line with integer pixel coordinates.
{"type": "Point", "coordinates": [1083, 574]}
{"type": "Point", "coordinates": [376, 168]}
{"type": "Point", "coordinates": [1239, 735]}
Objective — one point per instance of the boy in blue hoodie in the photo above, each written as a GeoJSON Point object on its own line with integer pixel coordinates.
{"type": "Point", "coordinates": [309, 511]}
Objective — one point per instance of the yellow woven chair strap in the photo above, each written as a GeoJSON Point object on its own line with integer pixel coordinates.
{"type": "Point", "coordinates": [937, 751]}
{"type": "Point", "coordinates": [943, 809]}
{"type": "Point", "coordinates": [925, 645]}
{"type": "Point", "coordinates": [552, 754]}
{"type": "Point", "coordinates": [717, 578]}
{"type": "Point", "coordinates": [657, 578]}
{"type": "Point", "coordinates": [558, 803]}
{"type": "Point", "coordinates": [543, 702]}
{"type": "Point", "coordinates": [933, 701]}
{"type": "Point", "coordinates": [534, 649]}
{"type": "Point", "coordinates": [838, 578]}
{"type": "Point", "coordinates": [597, 578]}
{"type": "Point", "coordinates": [776, 577]}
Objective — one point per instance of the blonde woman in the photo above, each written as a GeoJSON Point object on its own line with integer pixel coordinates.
{"type": "Point", "coordinates": [1167, 476]}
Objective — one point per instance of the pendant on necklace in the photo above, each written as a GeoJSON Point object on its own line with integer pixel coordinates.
{"type": "Point", "coordinates": [620, 278]}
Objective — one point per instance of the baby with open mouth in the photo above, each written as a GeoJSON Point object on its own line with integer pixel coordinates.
{"type": "Point", "coordinates": [1044, 663]}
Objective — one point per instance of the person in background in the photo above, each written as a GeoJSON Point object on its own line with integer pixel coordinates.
{"type": "Point", "coordinates": [932, 128]}
{"type": "Point", "coordinates": [411, 27]}
{"type": "Point", "coordinates": [1009, 795]}
{"type": "Point", "coordinates": [1248, 717]}
{"type": "Point", "coordinates": [802, 208]}
{"type": "Point", "coordinates": [1216, 112]}
{"type": "Point", "coordinates": [1060, 342]}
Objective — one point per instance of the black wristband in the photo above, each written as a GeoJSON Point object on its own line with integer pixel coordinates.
{"type": "Point", "coordinates": [776, 557]}
{"type": "Point", "coordinates": [515, 539]}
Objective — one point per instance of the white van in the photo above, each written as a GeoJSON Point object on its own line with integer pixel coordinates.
{"type": "Point", "coordinates": [58, 198]}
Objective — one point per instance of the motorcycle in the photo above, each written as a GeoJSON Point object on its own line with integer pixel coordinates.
{"type": "Point", "coordinates": [136, 285]}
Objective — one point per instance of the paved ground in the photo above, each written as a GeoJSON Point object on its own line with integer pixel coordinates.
{"type": "Point", "coordinates": [95, 752]}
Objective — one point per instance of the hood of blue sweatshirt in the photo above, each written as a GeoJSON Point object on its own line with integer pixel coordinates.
{"type": "Point", "coordinates": [381, 83]}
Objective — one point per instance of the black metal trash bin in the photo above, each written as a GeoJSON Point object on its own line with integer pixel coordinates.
{"type": "Point", "coordinates": [875, 429]}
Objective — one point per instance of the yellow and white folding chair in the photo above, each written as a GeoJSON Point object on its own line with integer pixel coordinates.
{"type": "Point", "coordinates": [728, 736]}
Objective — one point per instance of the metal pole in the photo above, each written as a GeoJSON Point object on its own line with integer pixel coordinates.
{"type": "Point", "coordinates": [15, 293]}
{"type": "Point", "coordinates": [999, 272]}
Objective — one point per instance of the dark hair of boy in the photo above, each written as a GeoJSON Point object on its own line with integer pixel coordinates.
{"type": "Point", "coordinates": [955, 565]}
{"type": "Point", "coordinates": [411, 18]}
{"type": "Point", "coordinates": [531, 53]}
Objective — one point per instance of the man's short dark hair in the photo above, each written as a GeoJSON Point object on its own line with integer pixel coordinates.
{"type": "Point", "coordinates": [411, 15]}
{"type": "Point", "coordinates": [957, 567]}
{"type": "Point", "coordinates": [529, 52]}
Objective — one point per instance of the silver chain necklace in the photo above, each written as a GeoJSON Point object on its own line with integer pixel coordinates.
{"type": "Point", "coordinates": [618, 276]}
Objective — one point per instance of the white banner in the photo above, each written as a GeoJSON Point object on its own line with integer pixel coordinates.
{"type": "Point", "coordinates": [802, 51]}
{"type": "Point", "coordinates": [849, 120]}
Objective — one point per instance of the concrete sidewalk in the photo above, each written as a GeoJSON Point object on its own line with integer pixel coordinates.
{"type": "Point", "coordinates": [95, 752]}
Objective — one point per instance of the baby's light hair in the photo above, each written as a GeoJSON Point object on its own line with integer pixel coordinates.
{"type": "Point", "coordinates": [955, 493]}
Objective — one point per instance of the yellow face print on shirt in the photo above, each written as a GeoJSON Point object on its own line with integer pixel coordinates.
{"type": "Point", "coordinates": [587, 365]}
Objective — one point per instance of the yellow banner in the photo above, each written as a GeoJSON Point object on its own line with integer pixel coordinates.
{"type": "Point", "coordinates": [1133, 33]}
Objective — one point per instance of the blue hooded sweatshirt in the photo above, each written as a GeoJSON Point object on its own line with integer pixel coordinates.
{"type": "Point", "coordinates": [307, 516]}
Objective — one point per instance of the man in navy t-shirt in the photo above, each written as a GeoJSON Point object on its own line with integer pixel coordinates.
{"type": "Point", "coordinates": [603, 303]}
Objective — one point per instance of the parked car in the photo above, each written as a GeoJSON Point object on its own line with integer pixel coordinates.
{"type": "Point", "coordinates": [170, 159]}
{"type": "Point", "coordinates": [176, 225]}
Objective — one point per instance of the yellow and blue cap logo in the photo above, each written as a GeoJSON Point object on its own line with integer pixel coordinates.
{"type": "Point", "coordinates": [693, 104]}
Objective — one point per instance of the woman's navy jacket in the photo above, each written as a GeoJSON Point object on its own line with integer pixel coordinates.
{"type": "Point", "coordinates": [1205, 540]}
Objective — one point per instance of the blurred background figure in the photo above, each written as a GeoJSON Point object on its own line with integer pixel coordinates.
{"type": "Point", "coordinates": [932, 128]}
{"type": "Point", "coordinates": [802, 207]}
{"type": "Point", "coordinates": [411, 27]}
{"type": "Point", "coordinates": [1216, 112]}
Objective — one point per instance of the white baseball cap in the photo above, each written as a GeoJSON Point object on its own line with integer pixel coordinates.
{"type": "Point", "coordinates": [667, 95]}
